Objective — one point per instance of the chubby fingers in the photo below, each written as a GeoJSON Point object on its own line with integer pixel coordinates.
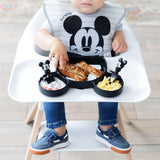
{"type": "Point", "coordinates": [119, 47]}
{"type": "Point", "coordinates": [60, 60]}
{"type": "Point", "coordinates": [56, 61]}
{"type": "Point", "coordinates": [115, 46]}
{"type": "Point", "coordinates": [63, 61]}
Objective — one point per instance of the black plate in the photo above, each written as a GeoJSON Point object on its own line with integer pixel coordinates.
{"type": "Point", "coordinates": [53, 93]}
{"type": "Point", "coordinates": [91, 60]}
{"type": "Point", "coordinates": [105, 93]}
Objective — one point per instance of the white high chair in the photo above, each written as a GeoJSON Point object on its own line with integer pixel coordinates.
{"type": "Point", "coordinates": [23, 87]}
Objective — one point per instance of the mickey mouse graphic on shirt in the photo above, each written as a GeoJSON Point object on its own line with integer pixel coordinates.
{"type": "Point", "coordinates": [87, 40]}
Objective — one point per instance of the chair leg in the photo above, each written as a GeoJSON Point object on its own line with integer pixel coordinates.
{"type": "Point", "coordinates": [127, 120]}
{"type": "Point", "coordinates": [32, 113]}
{"type": "Point", "coordinates": [35, 130]}
{"type": "Point", "coordinates": [121, 128]}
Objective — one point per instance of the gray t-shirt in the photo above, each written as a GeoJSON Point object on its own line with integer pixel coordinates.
{"type": "Point", "coordinates": [84, 34]}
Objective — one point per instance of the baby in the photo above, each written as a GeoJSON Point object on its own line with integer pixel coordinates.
{"type": "Point", "coordinates": [90, 27]}
{"type": "Point", "coordinates": [58, 48]}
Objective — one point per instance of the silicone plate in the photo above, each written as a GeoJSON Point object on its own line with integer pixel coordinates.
{"type": "Point", "coordinates": [96, 60]}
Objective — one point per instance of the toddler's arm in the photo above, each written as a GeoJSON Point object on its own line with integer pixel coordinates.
{"type": "Point", "coordinates": [119, 44]}
{"type": "Point", "coordinates": [48, 42]}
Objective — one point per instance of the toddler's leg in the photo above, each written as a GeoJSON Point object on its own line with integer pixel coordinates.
{"type": "Point", "coordinates": [106, 132]}
{"type": "Point", "coordinates": [55, 116]}
{"type": "Point", "coordinates": [107, 114]}
{"type": "Point", "coordinates": [56, 135]}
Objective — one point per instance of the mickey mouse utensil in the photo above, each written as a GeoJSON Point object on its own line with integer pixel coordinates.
{"type": "Point", "coordinates": [46, 67]}
{"type": "Point", "coordinates": [114, 74]}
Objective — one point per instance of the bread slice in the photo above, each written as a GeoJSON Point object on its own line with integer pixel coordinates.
{"type": "Point", "coordinates": [75, 69]}
{"type": "Point", "coordinates": [96, 72]}
{"type": "Point", "coordinates": [72, 75]}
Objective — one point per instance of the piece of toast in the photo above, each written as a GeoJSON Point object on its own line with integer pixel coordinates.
{"type": "Point", "coordinates": [75, 69]}
{"type": "Point", "coordinates": [72, 75]}
{"type": "Point", "coordinates": [96, 72]}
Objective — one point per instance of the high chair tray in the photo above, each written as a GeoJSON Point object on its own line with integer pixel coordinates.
{"type": "Point", "coordinates": [23, 85]}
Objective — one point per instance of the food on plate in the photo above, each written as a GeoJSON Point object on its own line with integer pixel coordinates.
{"type": "Point", "coordinates": [109, 84]}
{"type": "Point", "coordinates": [80, 71]}
{"type": "Point", "coordinates": [96, 72]}
{"type": "Point", "coordinates": [55, 85]}
{"type": "Point", "coordinates": [72, 75]}
{"type": "Point", "coordinates": [75, 69]}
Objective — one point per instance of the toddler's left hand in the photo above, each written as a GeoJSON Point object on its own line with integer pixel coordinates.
{"type": "Point", "coordinates": [119, 45]}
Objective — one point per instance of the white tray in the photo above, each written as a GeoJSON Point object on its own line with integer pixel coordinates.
{"type": "Point", "coordinates": [23, 85]}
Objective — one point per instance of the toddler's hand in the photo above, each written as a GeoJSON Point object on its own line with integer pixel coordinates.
{"type": "Point", "coordinates": [119, 45]}
{"type": "Point", "coordinates": [59, 52]}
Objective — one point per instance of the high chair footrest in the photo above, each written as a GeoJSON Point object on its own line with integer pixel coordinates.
{"type": "Point", "coordinates": [81, 136]}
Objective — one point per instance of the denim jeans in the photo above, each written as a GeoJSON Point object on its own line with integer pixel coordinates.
{"type": "Point", "coordinates": [55, 113]}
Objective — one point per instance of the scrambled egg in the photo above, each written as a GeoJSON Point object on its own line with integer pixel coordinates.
{"type": "Point", "coordinates": [108, 84]}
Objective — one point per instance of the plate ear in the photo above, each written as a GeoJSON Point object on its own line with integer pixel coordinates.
{"type": "Point", "coordinates": [72, 24]}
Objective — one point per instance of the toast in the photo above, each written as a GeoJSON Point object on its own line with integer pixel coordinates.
{"type": "Point", "coordinates": [75, 69]}
{"type": "Point", "coordinates": [96, 72]}
{"type": "Point", "coordinates": [72, 75]}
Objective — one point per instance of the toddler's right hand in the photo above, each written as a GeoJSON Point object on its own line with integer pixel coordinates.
{"type": "Point", "coordinates": [59, 52]}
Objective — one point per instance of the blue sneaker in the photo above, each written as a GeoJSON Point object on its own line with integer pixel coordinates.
{"type": "Point", "coordinates": [49, 142]}
{"type": "Point", "coordinates": [113, 139]}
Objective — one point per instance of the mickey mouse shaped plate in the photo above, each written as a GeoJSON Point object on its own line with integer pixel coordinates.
{"type": "Point", "coordinates": [57, 83]}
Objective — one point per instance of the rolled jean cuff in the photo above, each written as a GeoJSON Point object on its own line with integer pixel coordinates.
{"type": "Point", "coordinates": [56, 124]}
{"type": "Point", "coordinates": [108, 122]}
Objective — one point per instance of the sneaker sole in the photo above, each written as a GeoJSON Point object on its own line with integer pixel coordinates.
{"type": "Point", "coordinates": [46, 151]}
{"type": "Point", "coordinates": [113, 148]}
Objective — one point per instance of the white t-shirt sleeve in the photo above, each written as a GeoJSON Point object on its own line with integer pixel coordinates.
{"type": "Point", "coordinates": [46, 26]}
{"type": "Point", "coordinates": [118, 27]}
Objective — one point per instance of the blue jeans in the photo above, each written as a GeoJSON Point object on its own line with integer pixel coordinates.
{"type": "Point", "coordinates": [55, 113]}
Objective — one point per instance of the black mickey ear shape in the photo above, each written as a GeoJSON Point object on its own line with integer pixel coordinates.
{"type": "Point", "coordinates": [40, 64]}
{"type": "Point", "coordinates": [72, 24]}
{"type": "Point", "coordinates": [102, 25]}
